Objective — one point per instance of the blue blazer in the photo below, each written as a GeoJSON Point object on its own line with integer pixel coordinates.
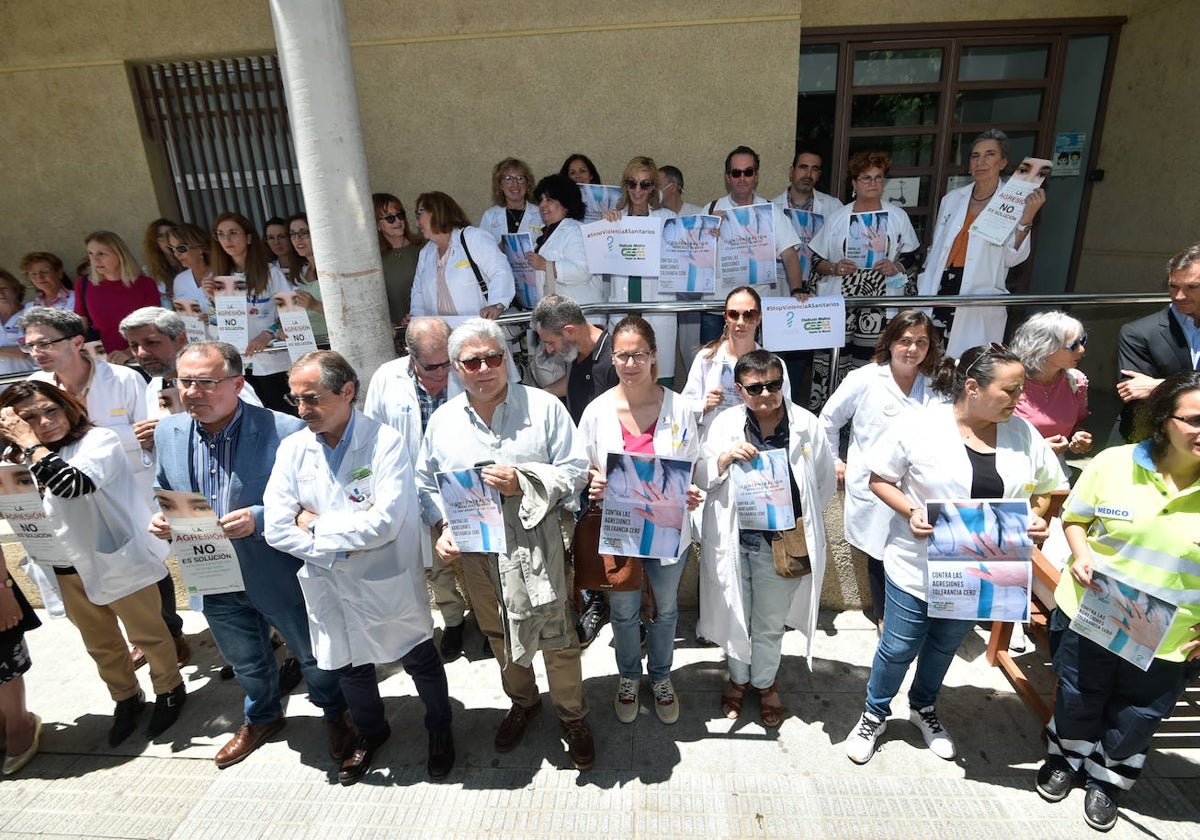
{"type": "Point", "coordinates": [269, 575]}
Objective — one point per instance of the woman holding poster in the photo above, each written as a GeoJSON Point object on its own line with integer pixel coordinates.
{"type": "Point", "coordinates": [641, 416]}
{"type": "Point", "coordinates": [864, 250]}
{"type": "Point", "coordinates": [1132, 519]}
{"type": "Point", "coordinates": [308, 289]}
{"type": "Point", "coordinates": [744, 602]}
{"type": "Point", "coordinates": [512, 210]}
{"type": "Point", "coordinates": [963, 263]}
{"type": "Point", "coordinates": [873, 399]}
{"type": "Point", "coordinates": [640, 197]}
{"type": "Point", "coordinates": [971, 448]}
{"type": "Point", "coordinates": [558, 249]}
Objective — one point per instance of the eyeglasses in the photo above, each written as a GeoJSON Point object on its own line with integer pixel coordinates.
{"type": "Point", "coordinates": [513, 179]}
{"type": "Point", "coordinates": [431, 368]}
{"type": "Point", "coordinates": [296, 400]}
{"type": "Point", "coordinates": [34, 346]}
{"type": "Point", "coordinates": [993, 349]}
{"type": "Point", "coordinates": [178, 249]}
{"type": "Point", "coordinates": [741, 315]}
{"type": "Point", "coordinates": [299, 234]}
{"type": "Point", "coordinates": [1192, 422]}
{"type": "Point", "coordinates": [637, 359]}
{"type": "Point", "coordinates": [492, 360]}
{"type": "Point", "coordinates": [747, 172]}
{"type": "Point", "coordinates": [870, 179]}
{"type": "Point", "coordinates": [230, 234]}
{"type": "Point", "coordinates": [392, 218]}
{"type": "Point", "coordinates": [773, 386]}
{"type": "Point", "coordinates": [631, 184]}
{"type": "Point", "coordinates": [1077, 344]}
{"type": "Point", "coordinates": [205, 385]}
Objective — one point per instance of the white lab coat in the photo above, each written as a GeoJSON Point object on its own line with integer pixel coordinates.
{"type": "Point", "coordinates": [103, 534]}
{"type": "Point", "coordinates": [495, 222]}
{"type": "Point", "coordinates": [984, 273]}
{"type": "Point", "coordinates": [722, 615]}
{"type": "Point", "coordinates": [460, 278]}
{"type": "Point", "coordinates": [564, 248]}
{"type": "Point", "coordinates": [871, 398]}
{"type": "Point", "coordinates": [361, 577]}
{"type": "Point", "coordinates": [830, 244]}
{"type": "Point", "coordinates": [675, 436]}
{"type": "Point", "coordinates": [823, 204]}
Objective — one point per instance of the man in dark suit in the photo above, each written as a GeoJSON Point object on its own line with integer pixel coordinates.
{"type": "Point", "coordinates": [224, 449]}
{"type": "Point", "coordinates": [1152, 348]}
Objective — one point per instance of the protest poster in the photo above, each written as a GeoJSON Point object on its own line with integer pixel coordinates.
{"type": "Point", "coordinates": [762, 488]}
{"type": "Point", "coordinates": [21, 505]}
{"type": "Point", "coordinates": [645, 504]}
{"type": "Point", "coordinates": [689, 254]}
{"type": "Point", "coordinates": [517, 248]}
{"type": "Point", "coordinates": [195, 317]}
{"type": "Point", "coordinates": [1123, 619]}
{"type": "Point", "coordinates": [630, 246]}
{"type": "Point", "coordinates": [233, 311]}
{"type": "Point", "coordinates": [296, 325]}
{"type": "Point", "coordinates": [815, 324]}
{"type": "Point", "coordinates": [867, 241]}
{"type": "Point", "coordinates": [999, 218]}
{"type": "Point", "coordinates": [807, 225]}
{"type": "Point", "coordinates": [980, 559]}
{"type": "Point", "coordinates": [746, 247]}
{"type": "Point", "coordinates": [473, 512]}
{"type": "Point", "coordinates": [597, 198]}
{"type": "Point", "coordinates": [207, 560]}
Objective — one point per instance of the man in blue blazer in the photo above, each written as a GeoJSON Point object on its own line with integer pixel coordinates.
{"type": "Point", "coordinates": [224, 449]}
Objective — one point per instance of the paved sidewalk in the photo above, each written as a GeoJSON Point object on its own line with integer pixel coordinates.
{"type": "Point", "coordinates": [705, 777]}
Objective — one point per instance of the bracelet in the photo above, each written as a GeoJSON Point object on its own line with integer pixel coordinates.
{"type": "Point", "coordinates": [29, 450]}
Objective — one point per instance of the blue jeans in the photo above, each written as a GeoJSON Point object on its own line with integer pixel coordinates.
{"type": "Point", "coordinates": [909, 633]}
{"type": "Point", "coordinates": [766, 598]}
{"type": "Point", "coordinates": [660, 634]}
{"type": "Point", "coordinates": [243, 635]}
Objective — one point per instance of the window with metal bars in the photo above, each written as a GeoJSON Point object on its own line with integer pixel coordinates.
{"type": "Point", "coordinates": [223, 128]}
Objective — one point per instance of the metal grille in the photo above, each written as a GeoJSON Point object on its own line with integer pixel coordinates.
{"type": "Point", "coordinates": [223, 128]}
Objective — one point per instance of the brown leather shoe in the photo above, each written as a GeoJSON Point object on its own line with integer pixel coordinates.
{"type": "Point", "coordinates": [359, 761]}
{"type": "Point", "coordinates": [183, 651]}
{"type": "Point", "coordinates": [513, 726]}
{"type": "Point", "coordinates": [249, 737]}
{"type": "Point", "coordinates": [342, 737]}
{"type": "Point", "coordinates": [138, 656]}
{"type": "Point", "coordinates": [580, 746]}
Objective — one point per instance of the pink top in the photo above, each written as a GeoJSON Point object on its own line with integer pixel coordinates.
{"type": "Point", "coordinates": [1057, 408]}
{"type": "Point", "coordinates": [104, 304]}
{"type": "Point", "coordinates": [643, 443]}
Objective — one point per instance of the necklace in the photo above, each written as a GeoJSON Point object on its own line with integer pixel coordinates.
{"type": "Point", "coordinates": [973, 198]}
{"type": "Point", "coordinates": [1043, 388]}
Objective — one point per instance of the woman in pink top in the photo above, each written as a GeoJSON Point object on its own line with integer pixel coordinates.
{"type": "Point", "coordinates": [1050, 345]}
{"type": "Point", "coordinates": [115, 289]}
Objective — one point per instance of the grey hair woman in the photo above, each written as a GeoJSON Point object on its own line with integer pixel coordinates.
{"type": "Point", "coordinates": [1055, 400]}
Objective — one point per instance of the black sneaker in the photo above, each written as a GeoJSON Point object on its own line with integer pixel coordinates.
{"type": "Point", "coordinates": [1099, 809]}
{"type": "Point", "coordinates": [125, 718]}
{"type": "Point", "coordinates": [593, 618]}
{"type": "Point", "coordinates": [452, 643]}
{"type": "Point", "coordinates": [166, 710]}
{"type": "Point", "coordinates": [1054, 779]}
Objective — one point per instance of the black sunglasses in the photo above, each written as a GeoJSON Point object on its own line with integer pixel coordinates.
{"type": "Point", "coordinates": [773, 386]}
{"type": "Point", "coordinates": [632, 184]}
{"type": "Point", "coordinates": [391, 218]}
{"type": "Point", "coordinates": [492, 360]}
{"type": "Point", "coordinates": [738, 173]}
{"type": "Point", "coordinates": [179, 249]}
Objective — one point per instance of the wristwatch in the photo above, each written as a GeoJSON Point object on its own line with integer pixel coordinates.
{"type": "Point", "coordinates": [1023, 228]}
{"type": "Point", "coordinates": [29, 450]}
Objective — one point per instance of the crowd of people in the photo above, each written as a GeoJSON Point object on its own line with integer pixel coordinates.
{"type": "Point", "coordinates": [340, 510]}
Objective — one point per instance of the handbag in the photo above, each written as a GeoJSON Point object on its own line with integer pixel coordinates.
{"type": "Point", "coordinates": [790, 550]}
{"type": "Point", "coordinates": [602, 572]}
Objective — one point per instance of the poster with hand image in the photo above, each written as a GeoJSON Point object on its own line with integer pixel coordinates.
{"type": "Point", "coordinates": [1123, 619]}
{"type": "Point", "coordinates": [746, 247]}
{"type": "Point", "coordinates": [473, 511]}
{"type": "Point", "coordinates": [867, 242]}
{"type": "Point", "coordinates": [689, 254]}
{"type": "Point", "coordinates": [980, 559]}
{"type": "Point", "coordinates": [517, 248]}
{"type": "Point", "coordinates": [597, 198]}
{"type": "Point", "coordinates": [644, 505]}
{"type": "Point", "coordinates": [762, 488]}
{"type": "Point", "coordinates": [207, 561]}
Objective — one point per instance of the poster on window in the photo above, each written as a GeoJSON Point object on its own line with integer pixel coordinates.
{"type": "Point", "coordinates": [980, 559]}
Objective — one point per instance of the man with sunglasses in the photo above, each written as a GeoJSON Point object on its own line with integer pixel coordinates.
{"type": "Point", "coordinates": [527, 448]}
{"type": "Point", "coordinates": [403, 394]}
{"type": "Point", "coordinates": [742, 169]}
{"type": "Point", "coordinates": [225, 449]}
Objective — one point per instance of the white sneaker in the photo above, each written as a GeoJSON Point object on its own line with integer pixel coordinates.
{"type": "Point", "coordinates": [860, 745]}
{"type": "Point", "coordinates": [1016, 642]}
{"type": "Point", "coordinates": [666, 703]}
{"type": "Point", "coordinates": [936, 738]}
{"type": "Point", "coordinates": [626, 702]}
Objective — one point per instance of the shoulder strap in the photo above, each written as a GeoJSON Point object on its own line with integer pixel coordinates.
{"type": "Point", "coordinates": [462, 237]}
{"type": "Point", "coordinates": [712, 206]}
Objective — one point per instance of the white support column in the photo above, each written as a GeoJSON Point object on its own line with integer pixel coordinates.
{"type": "Point", "coordinates": [318, 76]}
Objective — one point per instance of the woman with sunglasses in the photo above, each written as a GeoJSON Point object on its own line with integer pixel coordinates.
{"type": "Point", "coordinates": [513, 209]}
{"type": "Point", "coordinates": [640, 416]}
{"type": "Point", "coordinates": [891, 253]}
{"type": "Point", "coordinates": [744, 603]}
{"type": "Point", "coordinates": [399, 246]}
{"type": "Point", "coordinates": [640, 197]}
{"type": "Point", "coordinates": [1131, 522]}
{"type": "Point", "coordinates": [873, 399]}
{"type": "Point", "coordinates": [1055, 399]}
{"type": "Point", "coordinates": [970, 448]}
{"type": "Point", "coordinates": [710, 383]}
{"type": "Point", "coordinates": [190, 244]}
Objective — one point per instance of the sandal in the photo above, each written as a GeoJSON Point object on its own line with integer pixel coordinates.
{"type": "Point", "coordinates": [731, 699]}
{"type": "Point", "coordinates": [772, 712]}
